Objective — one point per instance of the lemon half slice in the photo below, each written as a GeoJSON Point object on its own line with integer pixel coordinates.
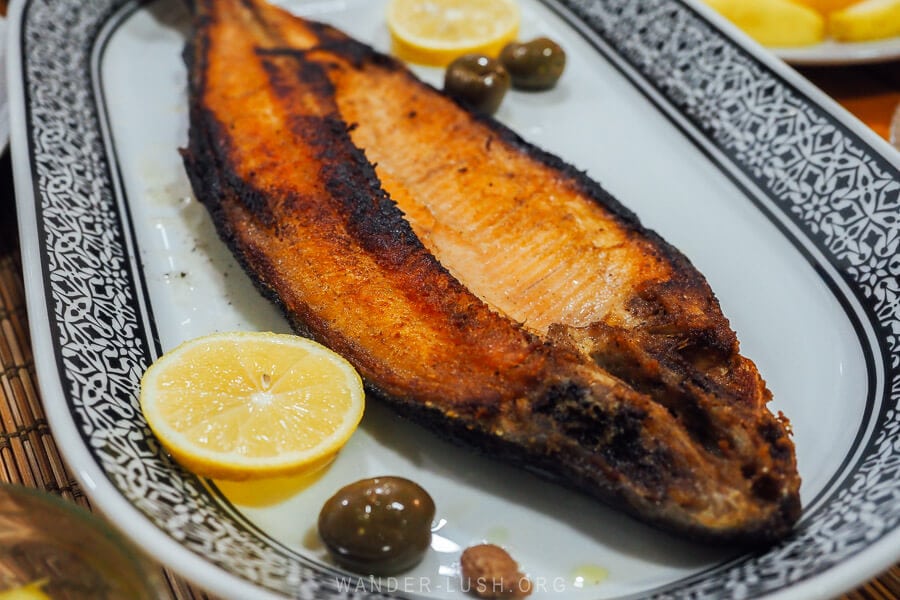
{"type": "Point", "coordinates": [434, 32]}
{"type": "Point", "coordinates": [251, 405]}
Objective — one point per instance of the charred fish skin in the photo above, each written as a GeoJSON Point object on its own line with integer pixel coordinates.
{"type": "Point", "coordinates": [667, 338]}
{"type": "Point", "coordinates": [287, 175]}
{"type": "Point", "coordinates": [476, 421]}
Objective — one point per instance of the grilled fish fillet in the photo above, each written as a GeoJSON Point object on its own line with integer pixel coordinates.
{"type": "Point", "coordinates": [483, 287]}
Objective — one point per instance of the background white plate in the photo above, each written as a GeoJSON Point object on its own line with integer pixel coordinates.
{"type": "Point", "coordinates": [831, 52]}
{"type": "Point", "coordinates": [782, 200]}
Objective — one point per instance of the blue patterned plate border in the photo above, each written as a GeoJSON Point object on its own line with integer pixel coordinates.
{"type": "Point", "coordinates": [829, 185]}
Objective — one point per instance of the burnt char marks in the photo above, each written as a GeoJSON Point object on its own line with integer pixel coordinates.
{"type": "Point", "coordinates": [662, 376]}
{"type": "Point", "coordinates": [255, 200]}
{"type": "Point", "coordinates": [334, 41]}
{"type": "Point", "coordinates": [773, 432]}
{"type": "Point", "coordinates": [347, 176]}
{"type": "Point", "coordinates": [615, 431]}
{"type": "Point", "coordinates": [197, 47]}
{"type": "Point", "coordinates": [210, 148]}
{"type": "Point", "coordinates": [537, 450]}
{"type": "Point", "coordinates": [286, 68]}
{"type": "Point", "coordinates": [374, 218]}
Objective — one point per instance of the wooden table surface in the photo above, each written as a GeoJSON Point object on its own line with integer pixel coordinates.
{"type": "Point", "coordinates": [870, 92]}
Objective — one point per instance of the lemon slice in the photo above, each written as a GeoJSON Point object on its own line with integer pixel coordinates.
{"type": "Point", "coordinates": [434, 32]}
{"type": "Point", "coordinates": [241, 406]}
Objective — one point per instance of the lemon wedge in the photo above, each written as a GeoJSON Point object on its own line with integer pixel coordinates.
{"type": "Point", "coordinates": [866, 20]}
{"type": "Point", "coordinates": [434, 32]}
{"type": "Point", "coordinates": [239, 406]}
{"type": "Point", "coordinates": [774, 22]}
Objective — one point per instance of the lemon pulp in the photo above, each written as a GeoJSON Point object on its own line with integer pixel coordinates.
{"type": "Point", "coordinates": [434, 32]}
{"type": "Point", "coordinates": [251, 405]}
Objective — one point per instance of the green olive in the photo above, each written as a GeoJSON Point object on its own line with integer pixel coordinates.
{"type": "Point", "coordinates": [477, 80]}
{"type": "Point", "coordinates": [534, 65]}
{"type": "Point", "coordinates": [378, 526]}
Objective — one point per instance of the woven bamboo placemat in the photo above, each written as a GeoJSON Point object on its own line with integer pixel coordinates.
{"type": "Point", "coordinates": [28, 454]}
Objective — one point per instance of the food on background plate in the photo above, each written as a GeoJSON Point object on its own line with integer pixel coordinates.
{"type": "Point", "coordinates": [246, 405]}
{"type": "Point", "coordinates": [482, 287]}
{"type": "Point", "coordinates": [867, 20]}
{"type": "Point", "coordinates": [435, 32]}
{"type": "Point", "coordinates": [488, 571]}
{"type": "Point", "coordinates": [826, 6]}
{"type": "Point", "coordinates": [787, 23]}
{"type": "Point", "coordinates": [779, 23]}
{"type": "Point", "coordinates": [378, 526]}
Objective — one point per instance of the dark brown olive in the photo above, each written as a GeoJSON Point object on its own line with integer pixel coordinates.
{"type": "Point", "coordinates": [477, 80]}
{"type": "Point", "coordinates": [534, 65]}
{"type": "Point", "coordinates": [378, 526]}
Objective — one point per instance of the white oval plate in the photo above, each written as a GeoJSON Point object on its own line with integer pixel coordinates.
{"type": "Point", "coordinates": [786, 203]}
{"type": "Point", "coordinates": [831, 52]}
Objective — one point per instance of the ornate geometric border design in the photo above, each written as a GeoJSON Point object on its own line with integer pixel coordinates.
{"type": "Point", "coordinates": [833, 187]}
